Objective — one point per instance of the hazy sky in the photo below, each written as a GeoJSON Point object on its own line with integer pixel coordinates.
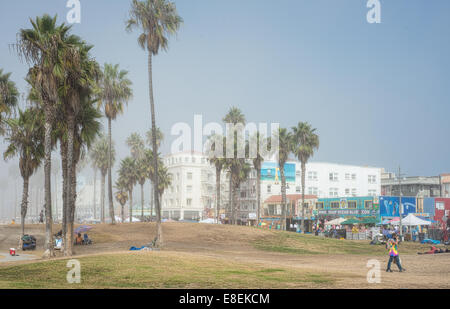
{"type": "Point", "coordinates": [378, 94]}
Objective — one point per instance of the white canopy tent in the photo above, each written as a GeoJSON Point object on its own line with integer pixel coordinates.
{"type": "Point", "coordinates": [411, 220]}
{"type": "Point", "coordinates": [336, 221]}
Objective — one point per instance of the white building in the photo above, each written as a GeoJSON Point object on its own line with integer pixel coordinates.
{"type": "Point", "coordinates": [193, 189]}
{"type": "Point", "coordinates": [193, 186]}
{"type": "Point", "coordinates": [327, 180]}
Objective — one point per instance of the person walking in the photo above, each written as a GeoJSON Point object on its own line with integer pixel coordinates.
{"type": "Point", "coordinates": [41, 217]}
{"type": "Point", "coordinates": [392, 246]}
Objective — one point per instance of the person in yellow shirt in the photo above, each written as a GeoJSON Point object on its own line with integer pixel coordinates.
{"type": "Point", "coordinates": [392, 246]}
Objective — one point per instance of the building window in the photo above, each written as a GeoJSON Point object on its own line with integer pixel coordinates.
{"type": "Point", "coordinates": [335, 205]}
{"type": "Point", "coordinates": [372, 192]}
{"type": "Point", "coordinates": [269, 189]}
{"type": "Point", "coordinates": [298, 189]}
{"type": "Point", "coordinates": [189, 176]}
{"type": "Point", "coordinates": [189, 189]}
{"type": "Point", "coordinates": [354, 193]}
{"type": "Point", "coordinates": [347, 192]}
{"type": "Point", "coordinates": [189, 202]}
{"type": "Point", "coordinates": [298, 173]}
{"type": "Point", "coordinates": [312, 175]}
{"type": "Point", "coordinates": [334, 192]}
{"type": "Point", "coordinates": [193, 160]}
{"type": "Point", "coordinates": [319, 205]}
{"type": "Point", "coordinates": [353, 176]}
{"type": "Point", "coordinates": [347, 176]}
{"type": "Point", "coordinates": [313, 190]}
{"type": "Point", "coordinates": [372, 179]}
{"type": "Point", "coordinates": [333, 176]}
{"type": "Point", "coordinates": [368, 204]}
{"type": "Point", "coordinates": [351, 204]}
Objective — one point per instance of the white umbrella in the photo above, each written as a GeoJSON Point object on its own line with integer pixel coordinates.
{"type": "Point", "coordinates": [337, 221]}
{"type": "Point", "coordinates": [411, 220]}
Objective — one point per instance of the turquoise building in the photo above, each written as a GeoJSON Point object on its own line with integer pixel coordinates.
{"type": "Point", "coordinates": [359, 207]}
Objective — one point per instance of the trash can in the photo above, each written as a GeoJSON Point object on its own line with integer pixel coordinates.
{"type": "Point", "coordinates": [12, 251]}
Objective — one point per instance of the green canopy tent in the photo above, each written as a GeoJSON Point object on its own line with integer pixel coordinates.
{"type": "Point", "coordinates": [351, 222]}
{"type": "Point", "coordinates": [369, 221]}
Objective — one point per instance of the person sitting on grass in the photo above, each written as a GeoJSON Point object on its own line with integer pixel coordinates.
{"type": "Point", "coordinates": [78, 240]}
{"type": "Point", "coordinates": [392, 246]}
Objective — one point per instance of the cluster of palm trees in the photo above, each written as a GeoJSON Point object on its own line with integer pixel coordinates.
{"type": "Point", "coordinates": [67, 92]}
{"type": "Point", "coordinates": [137, 169]}
{"type": "Point", "coordinates": [301, 141]}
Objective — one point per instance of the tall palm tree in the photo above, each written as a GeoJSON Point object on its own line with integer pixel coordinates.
{"type": "Point", "coordinates": [122, 195]}
{"type": "Point", "coordinates": [25, 139]}
{"type": "Point", "coordinates": [8, 96]}
{"type": "Point", "coordinates": [76, 94]}
{"type": "Point", "coordinates": [234, 164]}
{"type": "Point", "coordinates": [285, 148]}
{"type": "Point", "coordinates": [305, 142]}
{"type": "Point", "coordinates": [46, 47]}
{"type": "Point", "coordinates": [115, 92]}
{"type": "Point", "coordinates": [100, 156]}
{"type": "Point", "coordinates": [128, 173]}
{"type": "Point", "coordinates": [157, 19]}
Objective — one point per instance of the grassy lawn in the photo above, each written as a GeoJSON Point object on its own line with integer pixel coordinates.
{"type": "Point", "coordinates": [158, 270]}
{"type": "Point", "coordinates": [286, 242]}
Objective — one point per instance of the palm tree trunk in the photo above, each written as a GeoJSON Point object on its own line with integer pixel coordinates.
{"type": "Point", "coordinates": [258, 193]}
{"type": "Point", "coordinates": [48, 193]}
{"type": "Point", "coordinates": [68, 189]}
{"type": "Point", "coordinates": [283, 199]}
{"type": "Point", "coordinates": [122, 212]}
{"type": "Point", "coordinates": [15, 199]}
{"type": "Point", "coordinates": [63, 148]}
{"type": "Point", "coordinates": [23, 209]}
{"type": "Point", "coordinates": [303, 197]}
{"type": "Point", "coordinates": [152, 200]}
{"type": "Point", "coordinates": [71, 217]}
{"type": "Point", "coordinates": [95, 195]}
{"type": "Point", "coordinates": [56, 196]}
{"type": "Point", "coordinates": [131, 206]}
{"type": "Point", "coordinates": [159, 240]}
{"type": "Point", "coordinates": [102, 197]}
{"type": "Point", "coordinates": [218, 170]}
{"type": "Point", "coordinates": [142, 201]}
{"type": "Point", "coordinates": [110, 194]}
{"type": "Point", "coordinates": [230, 199]}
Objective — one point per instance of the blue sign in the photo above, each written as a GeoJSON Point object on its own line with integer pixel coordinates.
{"type": "Point", "coordinates": [271, 171]}
{"type": "Point", "coordinates": [390, 206]}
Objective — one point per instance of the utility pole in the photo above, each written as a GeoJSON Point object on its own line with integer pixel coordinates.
{"type": "Point", "coordinates": [400, 206]}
